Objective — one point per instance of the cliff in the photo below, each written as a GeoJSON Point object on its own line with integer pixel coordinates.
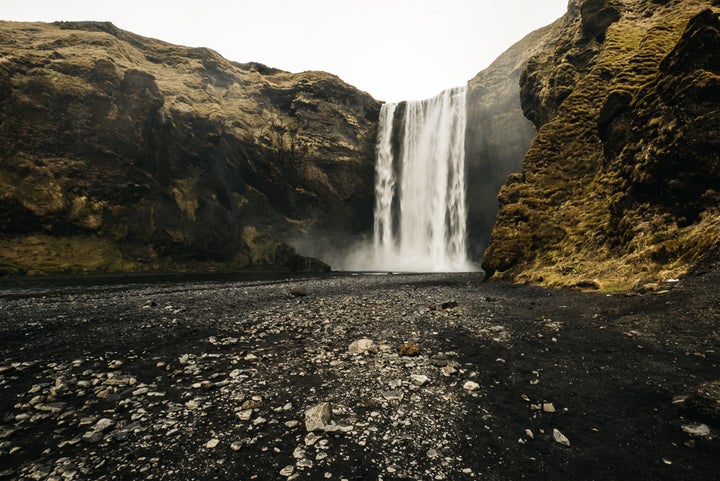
{"type": "Point", "coordinates": [125, 153]}
{"type": "Point", "coordinates": [497, 135]}
{"type": "Point", "coordinates": [620, 188]}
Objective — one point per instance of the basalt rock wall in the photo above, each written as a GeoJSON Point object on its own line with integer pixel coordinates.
{"type": "Point", "coordinates": [123, 153]}
{"type": "Point", "coordinates": [620, 188]}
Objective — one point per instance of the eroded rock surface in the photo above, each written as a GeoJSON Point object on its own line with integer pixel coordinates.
{"type": "Point", "coordinates": [619, 189]}
{"type": "Point", "coordinates": [121, 152]}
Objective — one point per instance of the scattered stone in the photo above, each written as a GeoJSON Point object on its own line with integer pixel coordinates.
{"type": "Point", "coordinates": [92, 436]}
{"type": "Point", "coordinates": [115, 364]}
{"type": "Point", "coordinates": [287, 471]}
{"type": "Point", "coordinates": [317, 418]}
{"type": "Point", "coordinates": [409, 349]}
{"type": "Point", "coordinates": [696, 429]}
{"type": "Point", "coordinates": [419, 379]}
{"type": "Point", "coordinates": [293, 423]}
{"type": "Point", "coordinates": [393, 395]}
{"type": "Point", "coordinates": [560, 438]}
{"type": "Point", "coordinates": [212, 444]}
{"type": "Point", "coordinates": [471, 386]}
{"type": "Point", "coordinates": [237, 445]}
{"type": "Point", "coordinates": [432, 453]}
{"type": "Point", "coordinates": [529, 434]}
{"type": "Point", "coordinates": [361, 346]}
{"type": "Point", "coordinates": [103, 424]}
{"type": "Point", "coordinates": [548, 407]}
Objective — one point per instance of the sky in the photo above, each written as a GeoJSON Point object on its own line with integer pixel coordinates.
{"type": "Point", "coordinates": [393, 49]}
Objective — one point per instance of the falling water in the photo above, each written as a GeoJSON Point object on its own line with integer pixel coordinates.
{"type": "Point", "coordinates": [420, 212]}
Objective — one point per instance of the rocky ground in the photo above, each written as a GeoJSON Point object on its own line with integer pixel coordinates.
{"type": "Point", "coordinates": [357, 377]}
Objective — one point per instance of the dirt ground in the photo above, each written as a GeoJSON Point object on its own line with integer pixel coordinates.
{"type": "Point", "coordinates": [453, 378]}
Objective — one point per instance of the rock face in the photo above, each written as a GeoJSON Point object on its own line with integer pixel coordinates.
{"type": "Point", "coordinates": [119, 152]}
{"type": "Point", "coordinates": [620, 187]}
{"type": "Point", "coordinates": [497, 135]}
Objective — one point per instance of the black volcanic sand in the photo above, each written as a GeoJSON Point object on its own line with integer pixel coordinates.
{"type": "Point", "coordinates": [183, 379]}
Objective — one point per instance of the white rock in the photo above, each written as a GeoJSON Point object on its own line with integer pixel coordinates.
{"type": "Point", "coordinates": [560, 438]}
{"type": "Point", "coordinates": [212, 443]}
{"type": "Point", "coordinates": [318, 417]}
{"type": "Point", "coordinates": [287, 471]}
{"type": "Point", "coordinates": [471, 386]}
{"type": "Point", "coordinates": [245, 414]}
{"type": "Point", "coordinates": [696, 429]}
{"type": "Point", "coordinates": [360, 346]}
{"type": "Point", "coordinates": [419, 379]}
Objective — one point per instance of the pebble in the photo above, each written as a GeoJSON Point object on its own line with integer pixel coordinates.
{"type": "Point", "coordinates": [317, 418]}
{"type": "Point", "coordinates": [361, 346]}
{"type": "Point", "coordinates": [471, 386]}
{"type": "Point", "coordinates": [696, 429]}
{"type": "Point", "coordinates": [560, 438]}
{"type": "Point", "coordinates": [212, 444]}
{"type": "Point", "coordinates": [419, 379]}
{"type": "Point", "coordinates": [409, 349]}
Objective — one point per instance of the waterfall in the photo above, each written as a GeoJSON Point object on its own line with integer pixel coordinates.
{"type": "Point", "coordinates": [420, 210]}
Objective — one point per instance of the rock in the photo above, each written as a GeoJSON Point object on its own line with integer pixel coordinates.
{"type": "Point", "coordinates": [318, 417]}
{"type": "Point", "coordinates": [409, 349]}
{"type": "Point", "coordinates": [237, 445]}
{"type": "Point", "coordinates": [449, 305]}
{"type": "Point", "coordinates": [393, 395]}
{"type": "Point", "coordinates": [212, 444]}
{"type": "Point", "coordinates": [548, 407]}
{"type": "Point", "coordinates": [298, 292]}
{"type": "Point", "coordinates": [92, 436]}
{"type": "Point", "coordinates": [419, 379]}
{"type": "Point", "coordinates": [696, 429]}
{"type": "Point", "coordinates": [560, 438]}
{"type": "Point", "coordinates": [471, 386]}
{"type": "Point", "coordinates": [287, 471]}
{"type": "Point", "coordinates": [103, 424]}
{"type": "Point", "coordinates": [244, 415]}
{"type": "Point", "coordinates": [361, 346]}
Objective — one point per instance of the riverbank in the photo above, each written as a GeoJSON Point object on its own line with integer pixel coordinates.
{"type": "Point", "coordinates": [463, 379]}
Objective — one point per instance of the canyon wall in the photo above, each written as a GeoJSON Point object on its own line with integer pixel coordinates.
{"type": "Point", "coordinates": [621, 187]}
{"type": "Point", "coordinates": [125, 153]}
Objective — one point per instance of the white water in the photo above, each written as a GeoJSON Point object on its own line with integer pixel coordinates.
{"type": "Point", "coordinates": [420, 210]}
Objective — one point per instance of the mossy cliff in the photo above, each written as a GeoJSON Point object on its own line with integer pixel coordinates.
{"type": "Point", "coordinates": [498, 135]}
{"type": "Point", "coordinates": [121, 153]}
{"type": "Point", "coordinates": [621, 187]}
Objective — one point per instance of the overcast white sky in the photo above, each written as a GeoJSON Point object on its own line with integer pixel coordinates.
{"type": "Point", "coordinates": [393, 49]}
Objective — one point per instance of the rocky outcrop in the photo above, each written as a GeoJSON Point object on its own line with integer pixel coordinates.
{"type": "Point", "coordinates": [620, 187]}
{"type": "Point", "coordinates": [498, 135]}
{"type": "Point", "coordinates": [119, 152]}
